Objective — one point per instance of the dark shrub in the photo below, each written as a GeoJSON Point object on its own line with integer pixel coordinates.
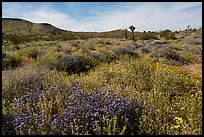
{"type": "Point", "coordinates": [3, 55]}
{"type": "Point", "coordinates": [75, 64]}
{"type": "Point", "coordinates": [33, 53]}
{"type": "Point", "coordinates": [10, 61]}
{"type": "Point", "coordinates": [17, 47]}
{"type": "Point", "coordinates": [144, 50]}
{"type": "Point", "coordinates": [167, 34]}
{"type": "Point", "coordinates": [187, 58]}
{"type": "Point", "coordinates": [147, 36]}
{"type": "Point", "coordinates": [107, 57]}
{"type": "Point", "coordinates": [17, 39]}
{"type": "Point", "coordinates": [166, 53]}
{"type": "Point", "coordinates": [7, 125]}
{"type": "Point", "coordinates": [127, 51]}
{"type": "Point", "coordinates": [172, 55]}
{"type": "Point", "coordinates": [157, 46]}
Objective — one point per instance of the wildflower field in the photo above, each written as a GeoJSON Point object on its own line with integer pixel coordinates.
{"type": "Point", "coordinates": [103, 86]}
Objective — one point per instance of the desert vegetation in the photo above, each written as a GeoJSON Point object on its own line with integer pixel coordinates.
{"type": "Point", "coordinates": [103, 85]}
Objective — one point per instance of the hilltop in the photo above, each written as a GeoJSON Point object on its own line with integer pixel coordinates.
{"type": "Point", "coordinates": [21, 26]}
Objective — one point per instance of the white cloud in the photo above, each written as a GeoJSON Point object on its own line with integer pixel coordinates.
{"type": "Point", "coordinates": [145, 16]}
{"type": "Point", "coordinates": [45, 14]}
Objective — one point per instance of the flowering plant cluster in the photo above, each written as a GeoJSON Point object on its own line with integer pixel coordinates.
{"type": "Point", "coordinates": [75, 64]}
{"type": "Point", "coordinates": [57, 111]}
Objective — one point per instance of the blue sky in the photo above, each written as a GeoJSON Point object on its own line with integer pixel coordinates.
{"type": "Point", "coordinates": [106, 16]}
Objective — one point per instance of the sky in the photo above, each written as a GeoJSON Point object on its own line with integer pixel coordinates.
{"type": "Point", "coordinates": [107, 16]}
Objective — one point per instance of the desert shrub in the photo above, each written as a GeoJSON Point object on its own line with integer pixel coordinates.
{"type": "Point", "coordinates": [73, 49]}
{"type": "Point", "coordinates": [93, 54]}
{"type": "Point", "coordinates": [43, 52]}
{"type": "Point", "coordinates": [11, 61]}
{"type": "Point", "coordinates": [31, 52]}
{"type": "Point", "coordinates": [187, 58]}
{"type": "Point", "coordinates": [106, 57]}
{"type": "Point", "coordinates": [174, 122]}
{"type": "Point", "coordinates": [92, 47]}
{"type": "Point", "coordinates": [74, 112]}
{"type": "Point", "coordinates": [75, 64]}
{"type": "Point", "coordinates": [122, 51]}
{"type": "Point", "coordinates": [171, 47]}
{"type": "Point", "coordinates": [18, 87]}
{"type": "Point", "coordinates": [167, 34]}
{"type": "Point", "coordinates": [140, 74]}
{"type": "Point", "coordinates": [7, 125]}
{"type": "Point", "coordinates": [157, 46]}
{"type": "Point", "coordinates": [197, 50]}
{"type": "Point", "coordinates": [3, 55]}
{"type": "Point", "coordinates": [176, 81]}
{"type": "Point", "coordinates": [17, 39]}
{"type": "Point", "coordinates": [75, 43]}
{"type": "Point", "coordinates": [50, 59]}
{"type": "Point", "coordinates": [183, 57]}
{"type": "Point", "coordinates": [172, 55]}
{"type": "Point", "coordinates": [17, 47]}
{"type": "Point", "coordinates": [166, 53]}
{"type": "Point", "coordinates": [168, 85]}
{"type": "Point", "coordinates": [155, 42]}
{"type": "Point", "coordinates": [193, 40]}
{"type": "Point", "coordinates": [147, 36]}
{"type": "Point", "coordinates": [108, 43]}
{"type": "Point", "coordinates": [144, 50]}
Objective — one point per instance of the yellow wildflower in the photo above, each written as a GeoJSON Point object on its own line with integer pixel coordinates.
{"type": "Point", "coordinates": [182, 108]}
{"type": "Point", "coordinates": [177, 126]}
{"type": "Point", "coordinates": [180, 120]}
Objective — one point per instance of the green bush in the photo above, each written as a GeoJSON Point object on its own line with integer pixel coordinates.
{"type": "Point", "coordinates": [50, 59]}
{"type": "Point", "coordinates": [147, 36]}
{"type": "Point", "coordinates": [17, 39]}
{"type": "Point", "coordinates": [11, 61]}
{"type": "Point", "coordinates": [187, 58]}
{"type": "Point", "coordinates": [33, 54]}
{"type": "Point", "coordinates": [178, 56]}
{"type": "Point", "coordinates": [107, 57]}
{"type": "Point", "coordinates": [167, 34]}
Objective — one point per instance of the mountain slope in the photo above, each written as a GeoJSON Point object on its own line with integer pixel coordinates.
{"type": "Point", "coordinates": [20, 26]}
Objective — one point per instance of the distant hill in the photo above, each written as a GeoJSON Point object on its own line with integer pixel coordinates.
{"type": "Point", "coordinates": [23, 30]}
{"type": "Point", "coordinates": [15, 26]}
{"type": "Point", "coordinates": [21, 26]}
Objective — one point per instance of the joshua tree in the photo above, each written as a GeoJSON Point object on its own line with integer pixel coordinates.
{"type": "Point", "coordinates": [132, 28]}
{"type": "Point", "coordinates": [188, 27]}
